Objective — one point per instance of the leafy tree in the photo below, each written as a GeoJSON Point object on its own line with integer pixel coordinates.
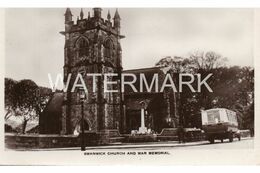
{"type": "Point", "coordinates": [26, 101]}
{"type": "Point", "coordinates": [9, 97]}
{"type": "Point", "coordinates": [233, 87]}
{"type": "Point", "coordinates": [175, 66]}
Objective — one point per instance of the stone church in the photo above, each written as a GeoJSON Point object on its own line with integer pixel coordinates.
{"type": "Point", "coordinates": [92, 45]}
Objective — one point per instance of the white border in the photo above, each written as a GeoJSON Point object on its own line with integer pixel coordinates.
{"type": "Point", "coordinates": [55, 158]}
{"type": "Point", "coordinates": [132, 3]}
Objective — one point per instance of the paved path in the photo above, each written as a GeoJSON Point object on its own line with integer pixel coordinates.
{"type": "Point", "coordinates": [245, 143]}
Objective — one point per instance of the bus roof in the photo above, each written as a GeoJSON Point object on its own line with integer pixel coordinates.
{"type": "Point", "coordinates": [218, 109]}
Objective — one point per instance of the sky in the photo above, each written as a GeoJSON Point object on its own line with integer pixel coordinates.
{"type": "Point", "coordinates": [34, 46]}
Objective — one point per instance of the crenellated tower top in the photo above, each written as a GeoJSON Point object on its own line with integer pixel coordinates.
{"type": "Point", "coordinates": [91, 22]}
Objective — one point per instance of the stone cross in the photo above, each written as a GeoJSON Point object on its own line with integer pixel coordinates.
{"type": "Point", "coordinates": [142, 129]}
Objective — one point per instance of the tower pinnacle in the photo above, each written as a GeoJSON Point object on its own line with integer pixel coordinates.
{"type": "Point", "coordinates": [68, 15]}
{"type": "Point", "coordinates": [108, 16]}
{"type": "Point", "coordinates": [117, 21]}
{"type": "Point", "coordinates": [117, 15]}
{"type": "Point", "coordinates": [81, 14]}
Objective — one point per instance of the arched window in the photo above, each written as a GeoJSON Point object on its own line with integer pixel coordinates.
{"type": "Point", "coordinates": [86, 125]}
{"type": "Point", "coordinates": [82, 47]}
{"type": "Point", "coordinates": [108, 48]}
{"type": "Point", "coordinates": [77, 129]}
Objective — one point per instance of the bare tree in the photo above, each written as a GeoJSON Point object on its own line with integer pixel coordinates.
{"type": "Point", "coordinates": [207, 61]}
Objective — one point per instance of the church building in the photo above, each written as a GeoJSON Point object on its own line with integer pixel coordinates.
{"type": "Point", "coordinates": [92, 45]}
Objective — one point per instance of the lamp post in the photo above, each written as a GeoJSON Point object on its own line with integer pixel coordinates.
{"type": "Point", "coordinates": [82, 96]}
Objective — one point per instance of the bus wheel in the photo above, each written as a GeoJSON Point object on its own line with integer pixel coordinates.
{"type": "Point", "coordinates": [230, 137]}
{"type": "Point", "coordinates": [211, 140]}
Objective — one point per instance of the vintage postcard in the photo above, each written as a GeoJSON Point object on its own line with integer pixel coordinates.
{"type": "Point", "coordinates": [156, 86]}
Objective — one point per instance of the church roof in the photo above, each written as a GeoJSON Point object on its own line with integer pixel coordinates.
{"type": "Point", "coordinates": [54, 103]}
{"type": "Point", "coordinates": [148, 73]}
{"type": "Point", "coordinates": [50, 117]}
{"type": "Point", "coordinates": [143, 70]}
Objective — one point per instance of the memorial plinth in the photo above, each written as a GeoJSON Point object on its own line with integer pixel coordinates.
{"type": "Point", "coordinates": [142, 129]}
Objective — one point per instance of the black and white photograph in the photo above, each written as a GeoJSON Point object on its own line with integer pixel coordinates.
{"type": "Point", "coordinates": [114, 83]}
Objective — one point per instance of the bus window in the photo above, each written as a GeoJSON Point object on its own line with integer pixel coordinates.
{"type": "Point", "coordinates": [213, 116]}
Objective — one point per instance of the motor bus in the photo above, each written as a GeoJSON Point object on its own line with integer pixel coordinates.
{"type": "Point", "coordinates": [220, 124]}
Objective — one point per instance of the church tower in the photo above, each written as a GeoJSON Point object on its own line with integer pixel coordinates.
{"type": "Point", "coordinates": [92, 45]}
